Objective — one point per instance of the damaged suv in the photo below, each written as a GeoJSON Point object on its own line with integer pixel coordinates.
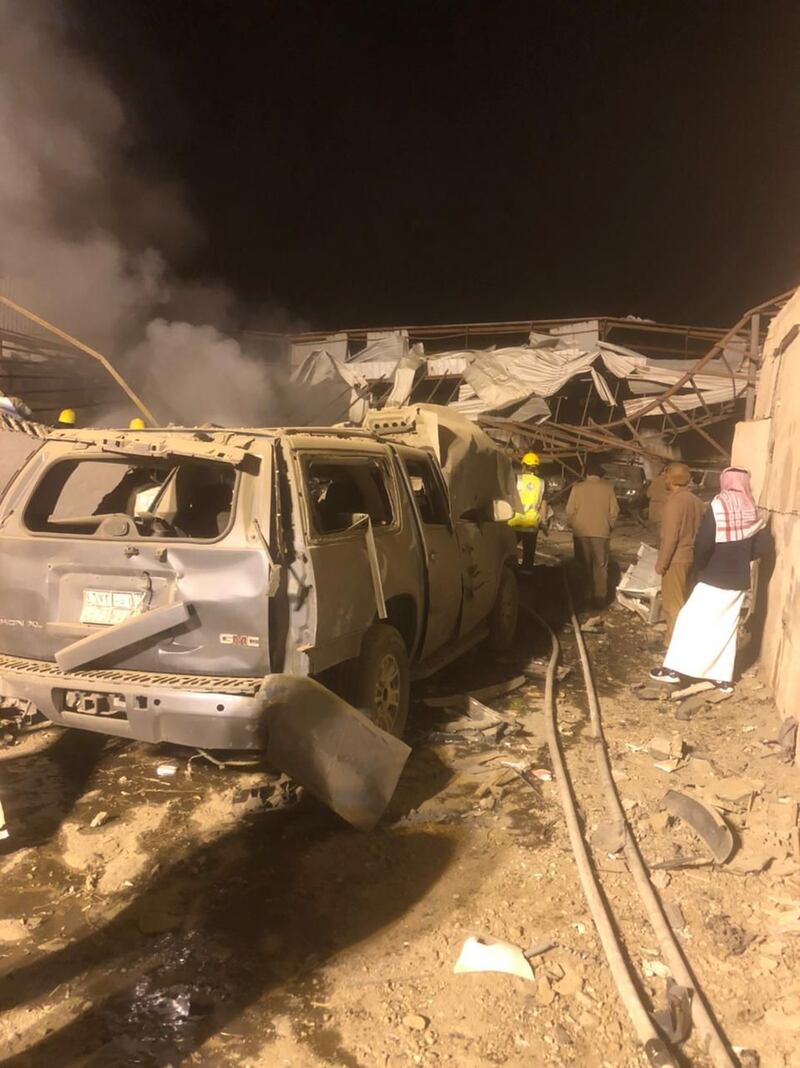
{"type": "Point", "coordinates": [182, 585]}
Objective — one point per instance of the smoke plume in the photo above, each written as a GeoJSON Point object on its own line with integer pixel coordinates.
{"type": "Point", "coordinates": [69, 210]}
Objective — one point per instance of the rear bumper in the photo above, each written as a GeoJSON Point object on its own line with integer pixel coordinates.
{"type": "Point", "coordinates": [206, 712]}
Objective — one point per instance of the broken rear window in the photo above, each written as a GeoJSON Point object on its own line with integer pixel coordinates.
{"type": "Point", "coordinates": [343, 489]}
{"type": "Point", "coordinates": [114, 498]}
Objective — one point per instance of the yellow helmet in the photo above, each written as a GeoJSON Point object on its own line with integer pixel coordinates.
{"type": "Point", "coordinates": [67, 417]}
{"type": "Point", "coordinates": [136, 423]}
{"type": "Point", "coordinates": [530, 459]}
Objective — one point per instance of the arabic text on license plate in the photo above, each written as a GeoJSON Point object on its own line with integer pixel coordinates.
{"type": "Point", "coordinates": [107, 607]}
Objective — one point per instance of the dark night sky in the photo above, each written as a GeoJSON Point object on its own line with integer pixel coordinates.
{"type": "Point", "coordinates": [382, 163]}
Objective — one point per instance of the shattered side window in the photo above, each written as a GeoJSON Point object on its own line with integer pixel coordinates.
{"type": "Point", "coordinates": [163, 499]}
{"type": "Point", "coordinates": [340, 490]}
{"type": "Point", "coordinates": [428, 494]}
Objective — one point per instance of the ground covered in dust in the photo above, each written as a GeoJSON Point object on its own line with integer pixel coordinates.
{"type": "Point", "coordinates": [148, 919]}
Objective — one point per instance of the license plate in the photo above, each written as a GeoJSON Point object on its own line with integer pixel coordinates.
{"type": "Point", "coordinates": [107, 607]}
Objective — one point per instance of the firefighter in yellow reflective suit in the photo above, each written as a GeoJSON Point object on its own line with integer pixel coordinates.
{"type": "Point", "coordinates": [530, 488]}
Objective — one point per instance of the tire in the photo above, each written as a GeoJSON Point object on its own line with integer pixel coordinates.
{"type": "Point", "coordinates": [382, 679]}
{"type": "Point", "coordinates": [502, 619]}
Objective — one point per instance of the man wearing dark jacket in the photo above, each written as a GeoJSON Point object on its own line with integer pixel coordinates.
{"type": "Point", "coordinates": [592, 511]}
{"type": "Point", "coordinates": [680, 523]}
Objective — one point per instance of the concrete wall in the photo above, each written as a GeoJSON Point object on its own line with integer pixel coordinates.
{"type": "Point", "coordinates": [769, 446]}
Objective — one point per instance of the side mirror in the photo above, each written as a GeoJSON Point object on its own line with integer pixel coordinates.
{"type": "Point", "coordinates": [502, 511]}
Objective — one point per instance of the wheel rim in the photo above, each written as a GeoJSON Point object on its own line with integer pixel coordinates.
{"type": "Point", "coordinates": [386, 703]}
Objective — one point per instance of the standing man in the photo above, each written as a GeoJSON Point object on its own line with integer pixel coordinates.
{"type": "Point", "coordinates": [592, 511]}
{"type": "Point", "coordinates": [679, 526]}
{"type": "Point", "coordinates": [530, 488]}
{"type": "Point", "coordinates": [657, 494]}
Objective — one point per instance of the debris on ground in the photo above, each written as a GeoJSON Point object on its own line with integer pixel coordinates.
{"type": "Point", "coordinates": [609, 837]}
{"type": "Point", "coordinates": [593, 625]}
{"type": "Point", "coordinates": [690, 691]}
{"type": "Point", "coordinates": [705, 821]}
{"type": "Point", "coordinates": [489, 955]}
{"type": "Point", "coordinates": [3, 826]}
{"type": "Point", "coordinates": [662, 747]}
{"type": "Point", "coordinates": [690, 706]}
{"type": "Point", "coordinates": [717, 696]}
{"type": "Point", "coordinates": [414, 1022]}
{"type": "Point", "coordinates": [676, 1019]}
{"type": "Point", "coordinates": [538, 669]}
{"type": "Point", "coordinates": [650, 693]}
{"type": "Point", "coordinates": [787, 739]}
{"type": "Point", "coordinates": [166, 771]}
{"type": "Point", "coordinates": [484, 693]}
{"type": "Point", "coordinates": [100, 819]}
{"type": "Point", "coordinates": [639, 589]}
{"type": "Point", "coordinates": [732, 939]}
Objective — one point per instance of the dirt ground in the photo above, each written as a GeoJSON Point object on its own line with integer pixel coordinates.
{"type": "Point", "coordinates": [177, 930]}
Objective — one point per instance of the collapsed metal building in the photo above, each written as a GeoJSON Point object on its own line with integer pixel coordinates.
{"type": "Point", "coordinates": [563, 387]}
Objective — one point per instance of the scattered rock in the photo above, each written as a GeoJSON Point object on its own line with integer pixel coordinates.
{"type": "Point", "coordinates": [545, 994]}
{"type": "Point", "coordinates": [563, 1035]}
{"type": "Point", "coordinates": [749, 861]}
{"type": "Point", "coordinates": [13, 930]}
{"type": "Point", "coordinates": [691, 706]}
{"type": "Point", "coordinates": [655, 969]}
{"type": "Point", "coordinates": [748, 1058]}
{"type": "Point", "coordinates": [100, 819]}
{"type": "Point", "coordinates": [414, 1022]}
{"type": "Point", "coordinates": [674, 913]}
{"type": "Point", "coordinates": [571, 983]}
{"type": "Point", "coordinates": [652, 693]}
{"type": "Point", "coordinates": [737, 788]}
{"type": "Point", "coordinates": [609, 837]}
{"type": "Point", "coordinates": [659, 821]}
{"type": "Point", "coordinates": [730, 938]}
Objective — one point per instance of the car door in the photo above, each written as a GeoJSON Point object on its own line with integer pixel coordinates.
{"type": "Point", "coordinates": [336, 487]}
{"type": "Point", "coordinates": [444, 579]}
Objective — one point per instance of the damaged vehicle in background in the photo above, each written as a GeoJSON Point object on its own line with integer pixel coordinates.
{"type": "Point", "coordinates": [257, 589]}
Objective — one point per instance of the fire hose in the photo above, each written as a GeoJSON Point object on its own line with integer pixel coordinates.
{"type": "Point", "coordinates": [654, 1046]}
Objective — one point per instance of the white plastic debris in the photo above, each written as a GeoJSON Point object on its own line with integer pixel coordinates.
{"type": "Point", "coordinates": [166, 771]}
{"type": "Point", "coordinates": [489, 955]}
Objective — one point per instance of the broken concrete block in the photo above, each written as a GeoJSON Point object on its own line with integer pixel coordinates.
{"type": "Point", "coordinates": [691, 706]}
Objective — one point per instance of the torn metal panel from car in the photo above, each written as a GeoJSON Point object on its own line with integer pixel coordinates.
{"type": "Point", "coordinates": [332, 749]}
{"type": "Point", "coordinates": [141, 626]}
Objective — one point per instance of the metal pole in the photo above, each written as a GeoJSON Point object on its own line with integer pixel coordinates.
{"type": "Point", "coordinates": [89, 352]}
{"type": "Point", "coordinates": [752, 365]}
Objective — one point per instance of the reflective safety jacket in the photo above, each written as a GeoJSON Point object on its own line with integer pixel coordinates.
{"type": "Point", "coordinates": [531, 492]}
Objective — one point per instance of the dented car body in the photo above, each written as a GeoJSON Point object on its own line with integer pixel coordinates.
{"type": "Point", "coordinates": [176, 585]}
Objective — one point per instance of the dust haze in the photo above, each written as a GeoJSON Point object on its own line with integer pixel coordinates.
{"type": "Point", "coordinates": [69, 205]}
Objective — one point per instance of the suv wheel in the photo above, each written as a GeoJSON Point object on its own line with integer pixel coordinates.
{"type": "Point", "coordinates": [383, 679]}
{"type": "Point", "coordinates": [503, 618]}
